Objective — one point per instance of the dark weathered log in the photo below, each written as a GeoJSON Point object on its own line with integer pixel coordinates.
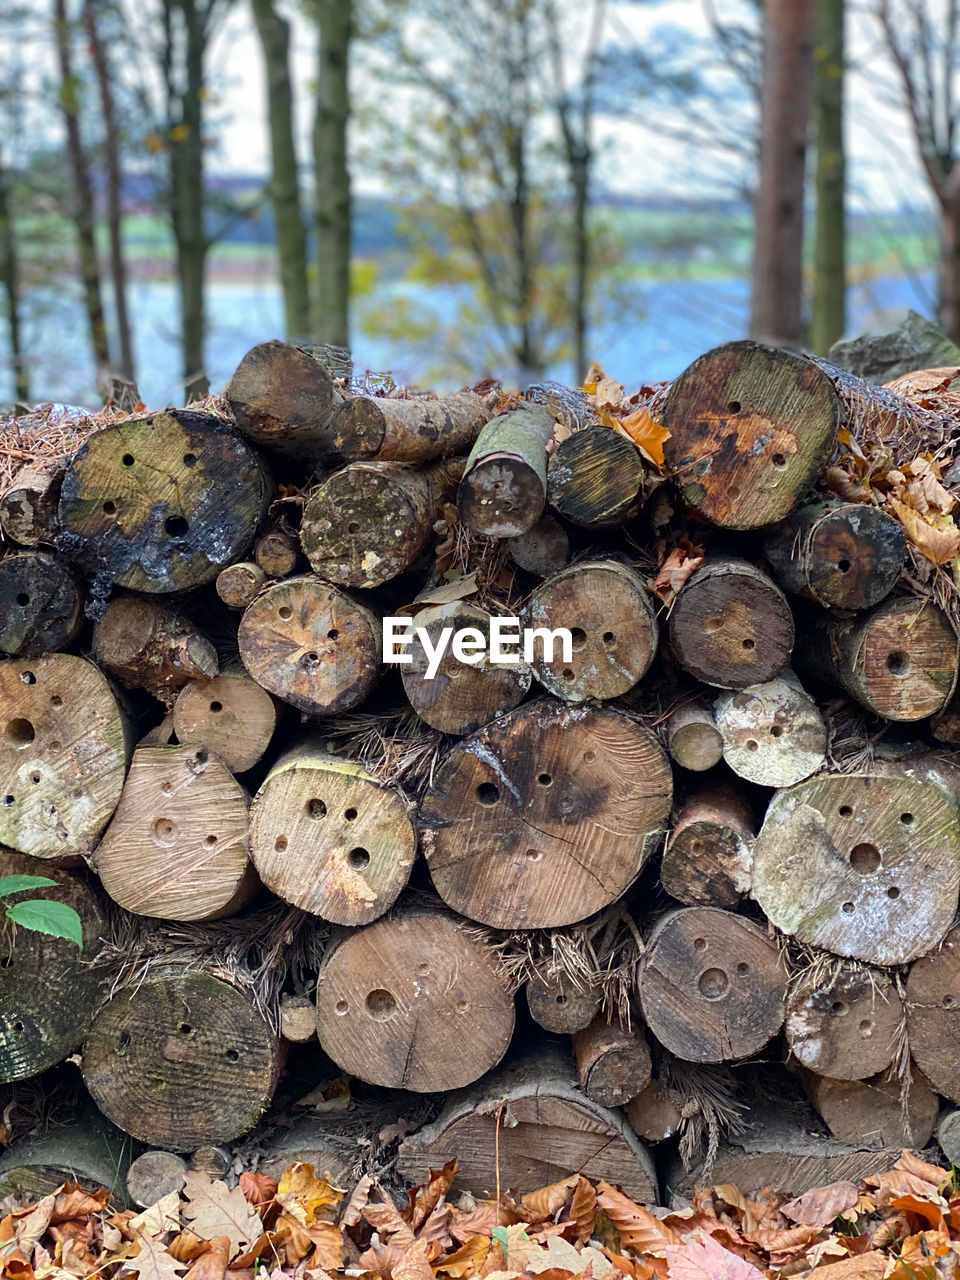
{"type": "Point", "coordinates": [845, 1025]}
{"type": "Point", "coordinates": [544, 549]}
{"type": "Point", "coordinates": [595, 477]}
{"type": "Point", "coordinates": [708, 860]}
{"type": "Point", "coordinates": [91, 1153]}
{"type": "Point", "coordinates": [693, 739]}
{"type": "Point", "coordinates": [277, 552]}
{"type": "Point", "coordinates": [148, 644]}
{"type": "Point", "coordinates": [604, 605]}
{"type": "Point", "coordinates": [63, 755]}
{"type": "Point", "coordinates": [750, 427]}
{"type": "Point", "coordinates": [153, 1175]}
{"type": "Point", "coordinates": [229, 715]}
{"type": "Point", "coordinates": [180, 1058]}
{"type": "Point", "coordinates": [371, 520]}
{"type": "Point", "coordinates": [162, 503]}
{"type": "Point", "coordinates": [948, 1134]}
{"type": "Point", "coordinates": [871, 1113]}
{"type": "Point", "coordinates": [283, 397]}
{"type": "Point", "coordinates": [504, 486]}
{"type": "Point", "coordinates": [546, 815]}
{"type": "Point", "coordinates": [28, 508]}
{"type": "Point", "coordinates": [41, 604]}
{"type": "Point", "coordinates": [841, 555]}
{"type": "Point", "coordinates": [613, 1063]}
{"type": "Point", "coordinates": [419, 429]}
{"type": "Point", "coordinates": [238, 584]}
{"type": "Point", "coordinates": [298, 1018]}
{"type": "Point", "coordinates": [861, 865]}
{"type": "Point", "coordinates": [933, 1015]}
{"type": "Point", "coordinates": [413, 1002]}
{"type": "Point", "coordinates": [712, 985]}
{"type": "Point", "coordinates": [654, 1114]}
{"type": "Point", "coordinates": [731, 625]}
{"type": "Point", "coordinates": [311, 645]}
{"type": "Point", "coordinates": [773, 733]}
{"type": "Point", "coordinates": [327, 837]}
{"type": "Point", "coordinates": [557, 1005]}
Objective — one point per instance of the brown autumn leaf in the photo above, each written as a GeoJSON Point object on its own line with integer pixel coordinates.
{"type": "Point", "coordinates": [303, 1195]}
{"type": "Point", "coordinates": [450, 592]}
{"type": "Point", "coordinates": [33, 1225]}
{"type": "Point", "coordinates": [545, 1202]}
{"type": "Point", "coordinates": [260, 1247]}
{"type": "Point", "coordinates": [646, 433]}
{"type": "Point", "coordinates": [351, 1213]}
{"type": "Point", "coordinates": [837, 480]}
{"type": "Point", "coordinates": [681, 563]}
{"type": "Point", "coordinates": [928, 1210]}
{"type": "Point", "coordinates": [935, 536]}
{"type": "Point", "coordinates": [482, 1220]}
{"type": "Point", "coordinates": [866, 1266]}
{"type": "Point", "coordinates": [212, 1263]}
{"type": "Point", "coordinates": [932, 1173]}
{"type": "Point", "coordinates": [327, 1246]}
{"type": "Point", "coordinates": [386, 1220]}
{"type": "Point", "coordinates": [153, 1262]}
{"type": "Point", "coordinates": [635, 1268]}
{"type": "Point", "coordinates": [415, 1263]}
{"type": "Point", "coordinates": [637, 1227]}
{"type": "Point", "coordinates": [421, 1200]}
{"type": "Point", "coordinates": [436, 1226]}
{"type": "Point", "coordinates": [701, 1257]}
{"type": "Point", "coordinates": [258, 1188]}
{"type": "Point", "coordinates": [75, 1202]}
{"type": "Point", "coordinates": [465, 1261]}
{"type": "Point", "coordinates": [583, 1209]}
{"type": "Point", "coordinates": [380, 1258]}
{"type": "Point", "coordinates": [783, 1245]}
{"type": "Point", "coordinates": [819, 1207]}
{"type": "Point", "coordinates": [608, 394]}
{"type": "Point", "coordinates": [214, 1209]}
{"type": "Point", "coordinates": [186, 1245]}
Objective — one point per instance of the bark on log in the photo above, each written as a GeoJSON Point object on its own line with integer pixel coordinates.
{"type": "Point", "coordinates": [48, 988]}
{"type": "Point", "coordinates": [933, 1015]}
{"type": "Point", "coordinates": [731, 626]}
{"type": "Point", "coordinates": [846, 1027]}
{"type": "Point", "coordinates": [543, 550]}
{"type": "Point", "coordinates": [298, 1018]}
{"type": "Point", "coordinates": [178, 845]}
{"type": "Point", "coordinates": [419, 429]}
{"type": "Point", "coordinates": [311, 645]}
{"type": "Point", "coordinates": [63, 755]}
{"type": "Point", "coordinates": [712, 985]}
{"type": "Point", "coordinates": [595, 478]}
{"type": "Point", "coordinates": [370, 521]}
{"type": "Point", "coordinates": [870, 1113]}
{"type": "Point", "coordinates": [181, 1058]}
{"type": "Point", "coordinates": [750, 427]}
{"type": "Point", "coordinates": [229, 715]}
{"type": "Point", "coordinates": [238, 584]}
{"type": "Point", "coordinates": [613, 1063]}
{"type": "Point", "coordinates": [148, 644]}
{"type": "Point", "coordinates": [557, 1005]}
{"type": "Point", "coordinates": [398, 1002]}
{"type": "Point", "coordinates": [654, 1115]}
{"type": "Point", "coordinates": [41, 604]}
{"type": "Point", "coordinates": [277, 553]}
{"type": "Point", "coordinates": [841, 555]}
{"type": "Point", "coordinates": [28, 509]}
{"type": "Point", "coordinates": [708, 860]}
{"type": "Point", "coordinates": [328, 838]}
{"type": "Point", "coordinates": [693, 739]}
{"type": "Point", "coordinates": [861, 865]}
{"type": "Point", "coordinates": [773, 733]}
{"type": "Point", "coordinates": [605, 606]}
{"type": "Point", "coordinates": [91, 1153]}
{"type": "Point", "coordinates": [162, 503]}
{"type": "Point", "coordinates": [283, 397]}
{"type": "Point", "coordinates": [504, 486]}
{"type": "Point", "coordinates": [545, 816]}
{"type": "Point", "coordinates": [460, 696]}
{"type": "Point", "coordinates": [153, 1175]}
{"type": "Point", "coordinates": [541, 1125]}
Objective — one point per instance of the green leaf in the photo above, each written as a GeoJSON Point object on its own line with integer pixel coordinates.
{"type": "Point", "coordinates": [55, 919]}
{"type": "Point", "coordinates": [17, 884]}
{"type": "Point", "coordinates": [500, 1235]}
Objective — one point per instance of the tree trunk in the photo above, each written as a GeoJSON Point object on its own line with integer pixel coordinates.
{"type": "Point", "coordinates": [949, 276]}
{"type": "Point", "coordinates": [41, 604]}
{"type": "Point", "coordinates": [708, 861]}
{"type": "Point", "coordinates": [332, 205]}
{"type": "Point", "coordinates": [147, 644]}
{"type": "Point", "coordinates": [613, 1063]}
{"type": "Point", "coordinates": [773, 733]}
{"type": "Point", "coordinates": [28, 509]}
{"type": "Point", "coordinates": [846, 1024]}
{"type": "Point", "coordinates": [504, 485]}
{"type": "Point", "coordinates": [596, 477]}
{"type": "Point", "coordinates": [829, 254]}
{"type": "Point", "coordinates": [419, 429]}
{"type": "Point", "coordinates": [230, 715]}
{"type": "Point", "coordinates": [10, 283]}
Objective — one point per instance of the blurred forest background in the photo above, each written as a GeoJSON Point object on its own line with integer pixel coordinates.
{"type": "Point", "coordinates": [456, 188]}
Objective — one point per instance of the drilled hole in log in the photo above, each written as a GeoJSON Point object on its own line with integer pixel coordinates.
{"type": "Point", "coordinates": [893, 892]}
{"type": "Point", "coordinates": [906, 819]}
{"type": "Point", "coordinates": [700, 944]}
{"type": "Point", "coordinates": [28, 677]}
{"type": "Point", "coordinates": [423, 968]}
{"type": "Point", "coordinates": [733, 492]}
{"type": "Point", "coordinates": [734, 406]}
{"type": "Point", "coordinates": [845, 811]}
{"type": "Point", "coordinates": [124, 1040]}
{"type": "Point", "coordinates": [578, 637]}
{"type": "Point", "coordinates": [18, 1028]}
{"type": "Point", "coordinates": [353, 527]}
{"type": "Point", "coordinates": [232, 1055]}
{"type": "Point", "coordinates": [609, 639]}
{"type": "Point", "coordinates": [866, 1028]}
{"type": "Point", "coordinates": [544, 779]}
{"type": "Point", "coordinates": [311, 657]}
{"type": "Point", "coordinates": [840, 1008]}
{"type": "Point", "coordinates": [561, 999]}
{"type": "Point", "coordinates": [843, 566]}
{"type": "Point", "coordinates": [947, 1002]}
{"type": "Point", "coordinates": [898, 662]}
{"type": "Point", "coordinates": [589, 757]}
{"type": "Point", "coordinates": [34, 778]}
{"type": "Point", "coordinates": [381, 1005]}
{"type": "Point", "coordinates": [713, 984]}
{"type": "Point", "coordinates": [776, 731]}
{"type": "Point", "coordinates": [175, 526]}
{"type": "Point", "coordinates": [22, 598]}
{"type": "Point", "coordinates": [285, 612]}
{"type": "Point", "coordinates": [216, 706]}
{"type": "Point", "coordinates": [567, 673]}
{"type": "Point", "coordinates": [185, 1030]}
{"type": "Point", "coordinates": [164, 831]}
{"type": "Point", "coordinates": [109, 508]}
{"type": "Point", "coordinates": [8, 799]}
{"type": "Point", "coordinates": [847, 908]}
{"type": "Point", "coordinates": [713, 624]}
{"type": "Point", "coordinates": [280, 844]}
{"type": "Point", "coordinates": [487, 793]}
{"type": "Point", "coordinates": [6, 962]}
{"type": "Point", "coordinates": [350, 814]}
{"type": "Point", "coordinates": [341, 1007]}
{"type": "Point", "coordinates": [56, 701]}
{"type": "Point", "coordinates": [696, 846]}
{"type": "Point", "coordinates": [333, 634]}
{"type": "Point", "coordinates": [189, 459]}
{"type": "Point", "coordinates": [19, 732]}
{"type": "Point", "coordinates": [316, 809]}
{"type": "Point", "coordinates": [743, 968]}
{"type": "Point", "coordinates": [210, 841]}
{"type": "Point", "coordinates": [865, 858]}
{"type": "Point", "coordinates": [752, 744]}
{"type": "Point", "coordinates": [201, 757]}
{"type": "Point", "coordinates": [166, 788]}
{"type": "Point", "coordinates": [749, 643]}
{"type": "Point", "coordinates": [779, 460]}
{"type": "Point", "coordinates": [533, 855]}
{"type": "Point", "coordinates": [55, 746]}
{"type": "Point", "coordinates": [358, 859]}
{"type": "Point", "coordinates": [127, 459]}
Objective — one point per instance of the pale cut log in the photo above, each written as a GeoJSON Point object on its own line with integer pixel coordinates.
{"type": "Point", "coordinates": [712, 985]}
{"type": "Point", "coordinates": [654, 1114]}
{"type": "Point", "coordinates": [847, 1025]}
{"type": "Point", "coordinates": [63, 755]}
{"type": "Point", "coordinates": [148, 644]}
{"type": "Point", "coordinates": [750, 427]}
{"type": "Point", "coordinates": [28, 508]}
{"type": "Point", "coordinates": [418, 429]}
{"type": "Point", "coordinates": [504, 486]}
{"type": "Point", "coordinates": [238, 584]}
{"type": "Point", "coordinates": [543, 550]}
{"type": "Point", "coordinates": [731, 625]}
{"type": "Point", "coordinates": [870, 1113]}
{"type": "Point", "coordinates": [181, 1058]}
{"type": "Point", "coordinates": [48, 987]}
{"type": "Point", "coordinates": [212, 1159]}
{"type": "Point", "coordinates": [693, 739]}
{"type": "Point", "coordinates": [604, 605]}
{"type": "Point", "coordinates": [948, 1134]}
{"type": "Point", "coordinates": [153, 1175]}
{"type": "Point", "coordinates": [773, 733]}
{"type": "Point", "coordinates": [162, 503]}
{"type": "Point", "coordinates": [595, 477]}
{"type": "Point", "coordinates": [329, 838]}
{"type": "Point", "coordinates": [861, 865]}
{"type": "Point", "coordinates": [90, 1153]}
{"type": "Point", "coordinates": [545, 816]}
{"type": "Point", "coordinates": [413, 1002]}
{"type": "Point", "coordinates": [41, 604]}
{"type": "Point", "coordinates": [370, 521]}
{"type": "Point", "coordinates": [613, 1062]}
{"type": "Point", "coordinates": [460, 696]}
{"type": "Point", "coordinates": [178, 844]}
{"type": "Point", "coordinates": [277, 552]}
{"type": "Point", "coordinates": [708, 859]}
{"type": "Point", "coordinates": [541, 1125]}
{"type": "Point", "coordinates": [298, 1018]}
{"type": "Point", "coordinates": [557, 1005]}
{"type": "Point", "coordinates": [841, 555]}
{"type": "Point", "coordinates": [229, 715]}
{"type": "Point", "coordinates": [311, 645]}
{"type": "Point", "coordinates": [283, 395]}
{"type": "Point", "coordinates": [933, 1015]}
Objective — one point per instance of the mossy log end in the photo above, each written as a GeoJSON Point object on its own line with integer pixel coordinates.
{"type": "Point", "coordinates": [41, 604]}
{"type": "Point", "coordinates": [283, 397]}
{"type": "Point", "coordinates": [418, 429]}
{"type": "Point", "coordinates": [504, 485]}
{"type": "Point", "coordinates": [845, 1028]}
{"type": "Point", "coordinates": [595, 478]}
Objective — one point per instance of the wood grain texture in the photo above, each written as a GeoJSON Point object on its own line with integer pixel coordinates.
{"type": "Point", "coordinates": [877, 1114]}
{"type": "Point", "coordinates": [238, 584]}
{"type": "Point", "coordinates": [773, 733]}
{"type": "Point", "coordinates": [41, 604]}
{"type": "Point", "coordinates": [595, 477]}
{"type": "Point", "coordinates": [847, 1026]}
{"type": "Point", "coordinates": [149, 644]}
{"type": "Point", "coordinates": [282, 396]}
{"type": "Point", "coordinates": [693, 739]}
{"type": "Point", "coordinates": [933, 1015]}
{"type": "Point", "coordinates": [230, 715]}
{"type": "Point", "coordinates": [419, 429]}
{"type": "Point", "coordinates": [277, 552]}
{"type": "Point", "coordinates": [557, 1005]}
{"type": "Point", "coordinates": [613, 1062]}
{"type": "Point", "coordinates": [543, 550]}
{"type": "Point", "coordinates": [155, 1174]}
{"type": "Point", "coordinates": [504, 486]}
{"type": "Point", "coordinates": [708, 859]}
{"type": "Point", "coordinates": [28, 508]}
{"type": "Point", "coordinates": [655, 1114]}
{"type": "Point", "coordinates": [90, 1153]}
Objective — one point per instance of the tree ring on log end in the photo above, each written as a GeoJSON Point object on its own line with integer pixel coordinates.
{"type": "Point", "coordinates": [595, 477]}
{"type": "Point", "coordinates": [933, 1015]}
{"type": "Point", "coordinates": [846, 1028]}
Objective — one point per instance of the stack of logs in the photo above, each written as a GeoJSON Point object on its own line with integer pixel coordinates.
{"type": "Point", "coordinates": [196, 723]}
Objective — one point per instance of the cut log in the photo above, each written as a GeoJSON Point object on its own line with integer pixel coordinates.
{"type": "Point", "coordinates": [419, 429]}
{"type": "Point", "coordinates": [63, 755]}
{"type": "Point", "coordinates": [149, 644]}
{"type": "Point", "coordinates": [654, 1114]}
{"type": "Point", "coordinates": [613, 1063]}
{"type": "Point", "coordinates": [238, 584]}
{"type": "Point", "coordinates": [277, 552]}
{"type": "Point", "coordinates": [773, 734]}
{"type": "Point", "coordinates": [229, 715]}
{"type": "Point", "coordinates": [948, 1134]}
{"type": "Point", "coordinates": [860, 865]}
{"type": "Point", "coordinates": [504, 486]}
{"type": "Point", "coordinates": [180, 1058]}
{"type": "Point", "coordinates": [731, 626]}
{"type": "Point", "coordinates": [933, 1015]}
{"type": "Point", "coordinates": [298, 1018]}
{"type": "Point", "coordinates": [708, 861]}
{"type": "Point", "coordinates": [370, 521]}
{"type": "Point", "coordinates": [336, 1143]}
{"type": "Point", "coordinates": [847, 1025]}
{"type": "Point", "coordinates": [605, 607]}
{"type": "Point", "coordinates": [535, 1119]}
{"type": "Point", "coordinates": [153, 1175]}
{"type": "Point", "coordinates": [460, 696]}
{"type": "Point", "coordinates": [545, 816]}
{"type": "Point", "coordinates": [400, 1001]}
{"type": "Point", "coordinates": [871, 1113]}
{"type": "Point", "coordinates": [557, 1005]}
{"type": "Point", "coordinates": [693, 739]}
{"type": "Point", "coordinates": [212, 1159]}
{"type": "Point", "coordinates": [543, 550]}
{"type": "Point", "coordinates": [41, 604]}
{"type": "Point", "coordinates": [328, 838]}
{"type": "Point", "coordinates": [48, 988]}
{"type": "Point", "coordinates": [28, 509]}
{"type": "Point", "coordinates": [178, 844]}
{"type": "Point", "coordinates": [712, 985]}
{"type": "Point", "coordinates": [283, 397]}
{"type": "Point", "coordinates": [842, 555]}
{"type": "Point", "coordinates": [595, 477]}
{"type": "Point", "coordinates": [311, 645]}
{"type": "Point", "coordinates": [91, 1153]}
{"type": "Point", "coordinates": [750, 428]}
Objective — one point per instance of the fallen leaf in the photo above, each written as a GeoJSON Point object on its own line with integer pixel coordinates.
{"type": "Point", "coordinates": [327, 1246]}
{"type": "Point", "coordinates": [415, 1263]}
{"type": "Point", "coordinates": [352, 1211]}
{"type": "Point", "coordinates": [637, 1227]}
{"type": "Point", "coordinates": [681, 563]}
{"type": "Point", "coordinates": [545, 1202]}
{"type": "Point", "coordinates": [867, 1266]}
{"type": "Point", "coordinates": [186, 1245]}
{"type": "Point", "coordinates": [211, 1264]}
{"type": "Point", "coordinates": [421, 1200]}
{"type": "Point", "coordinates": [153, 1262]}
{"type": "Point", "coordinates": [646, 433]}
{"type": "Point", "coordinates": [386, 1220]}
{"type": "Point", "coordinates": [583, 1209]}
{"type": "Point", "coordinates": [214, 1209]}
{"type": "Point", "coordinates": [932, 1173]}
{"type": "Point", "coordinates": [466, 1260]}
{"type": "Point", "coordinates": [33, 1226]}
{"type": "Point", "coordinates": [819, 1207]}
{"type": "Point", "coordinates": [380, 1258]}
{"type": "Point", "coordinates": [784, 1244]}
{"type": "Point", "coordinates": [160, 1217]}
{"type": "Point", "coordinates": [702, 1258]}
{"type": "Point", "coordinates": [258, 1188]}
{"type": "Point", "coordinates": [935, 536]}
